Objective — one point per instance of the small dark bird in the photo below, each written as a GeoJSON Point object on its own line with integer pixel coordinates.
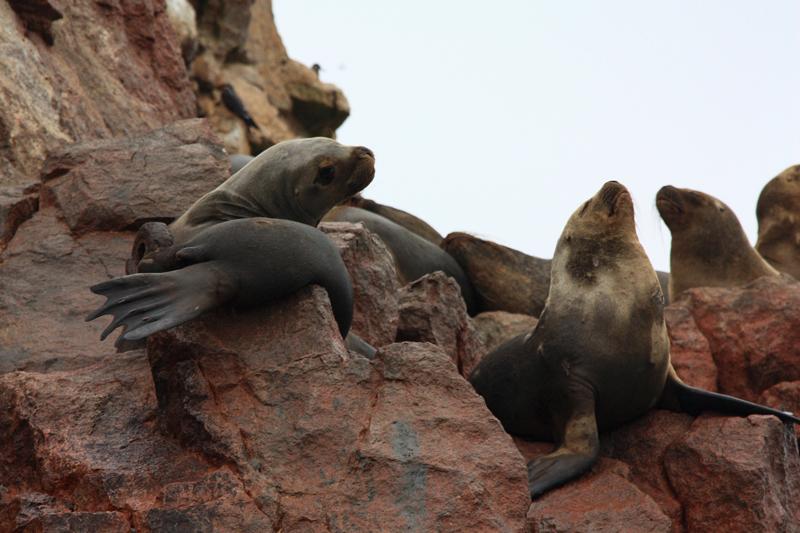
{"type": "Point", "coordinates": [316, 68]}
{"type": "Point", "coordinates": [234, 103]}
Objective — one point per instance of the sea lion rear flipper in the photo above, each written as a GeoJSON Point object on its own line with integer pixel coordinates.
{"type": "Point", "coordinates": [357, 344]}
{"type": "Point", "coordinates": [678, 396]}
{"type": "Point", "coordinates": [578, 449]}
{"type": "Point", "coordinates": [146, 303]}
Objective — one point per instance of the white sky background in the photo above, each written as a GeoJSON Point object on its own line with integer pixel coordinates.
{"type": "Point", "coordinates": [500, 118]}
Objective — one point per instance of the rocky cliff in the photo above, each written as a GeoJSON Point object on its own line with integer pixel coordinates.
{"type": "Point", "coordinates": [263, 421]}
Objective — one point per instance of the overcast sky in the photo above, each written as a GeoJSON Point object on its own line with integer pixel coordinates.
{"type": "Point", "coordinates": [500, 118]}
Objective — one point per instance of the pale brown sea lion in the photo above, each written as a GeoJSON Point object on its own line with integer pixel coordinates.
{"type": "Point", "coordinates": [778, 212]}
{"type": "Point", "coordinates": [599, 355]}
{"type": "Point", "coordinates": [505, 279]}
{"type": "Point", "coordinates": [233, 248]}
{"type": "Point", "coordinates": [709, 247]}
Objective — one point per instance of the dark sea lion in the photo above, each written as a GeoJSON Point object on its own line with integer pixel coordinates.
{"type": "Point", "coordinates": [413, 255]}
{"type": "Point", "coordinates": [505, 279]}
{"type": "Point", "coordinates": [238, 162]}
{"type": "Point", "coordinates": [709, 247]}
{"type": "Point", "coordinates": [398, 216]}
{"type": "Point", "coordinates": [242, 263]}
{"type": "Point", "coordinates": [232, 246]}
{"type": "Point", "coordinates": [599, 355]}
{"type": "Point", "coordinates": [778, 212]}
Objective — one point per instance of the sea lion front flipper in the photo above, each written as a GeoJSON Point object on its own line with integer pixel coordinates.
{"type": "Point", "coordinates": [146, 303]}
{"type": "Point", "coordinates": [578, 449]}
{"type": "Point", "coordinates": [678, 396]}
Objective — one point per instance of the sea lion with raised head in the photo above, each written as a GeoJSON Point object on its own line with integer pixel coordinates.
{"type": "Point", "coordinates": [599, 355]}
{"type": "Point", "coordinates": [413, 255]}
{"type": "Point", "coordinates": [778, 212]}
{"type": "Point", "coordinates": [709, 247]}
{"type": "Point", "coordinates": [232, 248]}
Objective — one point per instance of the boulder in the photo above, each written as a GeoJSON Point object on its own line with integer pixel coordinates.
{"type": "Point", "coordinates": [737, 474]}
{"type": "Point", "coordinates": [321, 436]}
{"type": "Point", "coordinates": [432, 310]}
{"type": "Point", "coordinates": [752, 332]}
{"type": "Point", "coordinates": [586, 506]}
{"type": "Point", "coordinates": [17, 204]}
{"type": "Point", "coordinates": [375, 286]}
{"type": "Point", "coordinates": [690, 353]}
{"type": "Point", "coordinates": [118, 184]}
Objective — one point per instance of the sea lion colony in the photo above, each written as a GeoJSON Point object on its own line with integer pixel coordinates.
{"type": "Point", "coordinates": [599, 355]}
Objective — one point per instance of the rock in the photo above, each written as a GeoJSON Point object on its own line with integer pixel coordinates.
{"type": "Point", "coordinates": [690, 353]}
{"type": "Point", "coordinates": [496, 327]}
{"type": "Point", "coordinates": [75, 90]}
{"type": "Point", "coordinates": [372, 270]}
{"type": "Point", "coordinates": [642, 445]}
{"type": "Point", "coordinates": [505, 279]}
{"type": "Point", "coordinates": [432, 310]}
{"type": "Point", "coordinates": [17, 204]}
{"type": "Point", "coordinates": [587, 505]}
{"type": "Point", "coordinates": [45, 274]}
{"type": "Point", "coordinates": [325, 439]}
{"type": "Point", "coordinates": [119, 184]}
{"type": "Point", "coordinates": [737, 474]}
{"type": "Point", "coordinates": [752, 332]}
{"type": "Point", "coordinates": [784, 396]}
{"type": "Point", "coordinates": [242, 47]}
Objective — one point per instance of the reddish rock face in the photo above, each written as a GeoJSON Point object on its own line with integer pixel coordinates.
{"type": "Point", "coordinates": [322, 436]}
{"type": "Point", "coordinates": [375, 285]}
{"type": "Point", "coordinates": [689, 351]}
{"type": "Point", "coordinates": [432, 310]}
{"type": "Point", "coordinates": [754, 465]}
{"type": "Point", "coordinates": [752, 332]}
{"type": "Point", "coordinates": [118, 184]}
{"type": "Point", "coordinates": [586, 505]}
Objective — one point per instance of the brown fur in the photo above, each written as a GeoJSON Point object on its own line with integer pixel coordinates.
{"type": "Point", "coordinates": [778, 213]}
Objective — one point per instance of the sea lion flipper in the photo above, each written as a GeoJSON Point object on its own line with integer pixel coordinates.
{"type": "Point", "coordinates": [146, 303]}
{"type": "Point", "coordinates": [577, 452]}
{"type": "Point", "coordinates": [678, 396]}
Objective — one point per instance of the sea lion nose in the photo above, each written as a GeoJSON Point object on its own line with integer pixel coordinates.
{"type": "Point", "coordinates": [363, 151]}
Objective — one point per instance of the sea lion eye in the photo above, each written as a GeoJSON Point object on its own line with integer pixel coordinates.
{"type": "Point", "coordinates": [326, 175]}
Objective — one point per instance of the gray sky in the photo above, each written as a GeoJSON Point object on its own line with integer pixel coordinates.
{"type": "Point", "coordinates": [500, 118]}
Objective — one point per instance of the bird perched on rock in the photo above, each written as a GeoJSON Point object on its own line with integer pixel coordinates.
{"type": "Point", "coordinates": [235, 105]}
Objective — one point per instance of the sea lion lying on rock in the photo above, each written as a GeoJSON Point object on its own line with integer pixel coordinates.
{"type": "Point", "coordinates": [398, 216]}
{"type": "Point", "coordinates": [232, 248]}
{"type": "Point", "coordinates": [599, 355]}
{"type": "Point", "coordinates": [506, 279]}
{"type": "Point", "coordinates": [413, 255]}
{"type": "Point", "coordinates": [709, 247]}
{"type": "Point", "coordinates": [778, 212]}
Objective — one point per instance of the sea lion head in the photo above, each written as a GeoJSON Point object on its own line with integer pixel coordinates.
{"type": "Point", "coordinates": [778, 212]}
{"type": "Point", "coordinates": [326, 172]}
{"type": "Point", "coordinates": [303, 179]}
{"type": "Point", "coordinates": [597, 235]}
{"type": "Point", "coordinates": [709, 247]}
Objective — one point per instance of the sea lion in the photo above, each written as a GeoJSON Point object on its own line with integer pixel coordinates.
{"type": "Point", "coordinates": [235, 105]}
{"type": "Point", "coordinates": [599, 355]}
{"type": "Point", "coordinates": [506, 279]}
{"type": "Point", "coordinates": [413, 255]}
{"type": "Point", "coordinates": [709, 247]}
{"type": "Point", "coordinates": [231, 248]}
{"type": "Point", "coordinates": [238, 162]}
{"type": "Point", "coordinates": [398, 216]}
{"type": "Point", "coordinates": [778, 212]}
